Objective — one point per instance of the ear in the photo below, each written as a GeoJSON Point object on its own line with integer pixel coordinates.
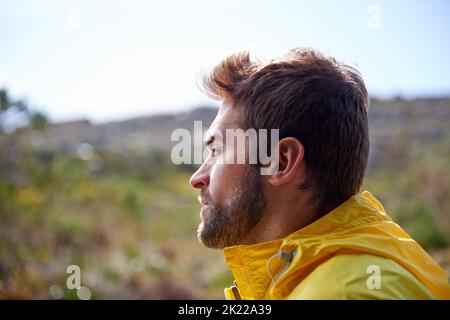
{"type": "Point", "coordinates": [291, 153]}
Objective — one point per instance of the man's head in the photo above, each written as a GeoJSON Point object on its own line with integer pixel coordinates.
{"type": "Point", "coordinates": [319, 107]}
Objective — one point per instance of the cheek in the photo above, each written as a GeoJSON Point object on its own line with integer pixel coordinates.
{"type": "Point", "coordinates": [217, 182]}
{"type": "Point", "coordinates": [223, 180]}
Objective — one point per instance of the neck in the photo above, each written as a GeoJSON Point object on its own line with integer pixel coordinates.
{"type": "Point", "coordinates": [283, 217]}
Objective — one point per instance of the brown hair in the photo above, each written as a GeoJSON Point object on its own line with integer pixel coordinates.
{"type": "Point", "coordinates": [311, 97]}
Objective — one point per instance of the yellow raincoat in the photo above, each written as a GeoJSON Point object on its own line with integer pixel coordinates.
{"type": "Point", "coordinates": [354, 252]}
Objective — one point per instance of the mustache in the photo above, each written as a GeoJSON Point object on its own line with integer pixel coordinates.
{"type": "Point", "coordinates": [205, 195]}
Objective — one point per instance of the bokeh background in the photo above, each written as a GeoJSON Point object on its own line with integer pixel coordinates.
{"type": "Point", "coordinates": [90, 92]}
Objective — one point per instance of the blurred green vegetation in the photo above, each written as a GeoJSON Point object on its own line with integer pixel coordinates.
{"type": "Point", "coordinates": [130, 225]}
{"type": "Point", "coordinates": [19, 109]}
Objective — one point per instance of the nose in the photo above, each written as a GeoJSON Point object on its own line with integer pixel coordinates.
{"type": "Point", "coordinates": [200, 179]}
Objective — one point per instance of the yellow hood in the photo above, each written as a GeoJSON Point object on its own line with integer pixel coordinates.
{"type": "Point", "coordinates": [274, 269]}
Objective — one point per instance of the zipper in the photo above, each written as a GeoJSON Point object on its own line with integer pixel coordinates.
{"type": "Point", "coordinates": [235, 291]}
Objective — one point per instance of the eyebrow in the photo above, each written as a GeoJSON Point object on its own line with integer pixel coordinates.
{"type": "Point", "coordinates": [209, 140]}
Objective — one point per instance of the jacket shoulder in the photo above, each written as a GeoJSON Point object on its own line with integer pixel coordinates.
{"type": "Point", "coordinates": [360, 276]}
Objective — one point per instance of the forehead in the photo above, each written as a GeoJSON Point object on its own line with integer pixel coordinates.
{"type": "Point", "coordinates": [226, 118]}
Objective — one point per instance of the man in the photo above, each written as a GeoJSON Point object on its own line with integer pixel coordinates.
{"type": "Point", "coordinates": [304, 231]}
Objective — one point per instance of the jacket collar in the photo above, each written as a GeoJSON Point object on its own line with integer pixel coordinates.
{"type": "Point", "coordinates": [256, 267]}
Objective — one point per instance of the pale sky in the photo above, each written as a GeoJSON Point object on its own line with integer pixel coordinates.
{"type": "Point", "coordinates": [106, 59]}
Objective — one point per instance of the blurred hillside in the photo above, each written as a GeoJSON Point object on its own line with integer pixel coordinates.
{"type": "Point", "coordinates": [106, 197]}
{"type": "Point", "coordinates": [138, 134]}
{"type": "Point", "coordinates": [418, 120]}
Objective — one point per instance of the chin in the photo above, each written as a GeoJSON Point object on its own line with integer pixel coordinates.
{"type": "Point", "coordinates": [203, 212]}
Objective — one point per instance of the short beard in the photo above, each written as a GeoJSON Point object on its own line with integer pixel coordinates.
{"type": "Point", "coordinates": [226, 225]}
